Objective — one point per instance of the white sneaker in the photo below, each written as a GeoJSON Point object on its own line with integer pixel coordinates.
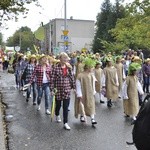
{"type": "Point", "coordinates": [24, 94]}
{"type": "Point", "coordinates": [38, 108]}
{"type": "Point", "coordinates": [48, 112]}
{"type": "Point", "coordinates": [58, 119]}
{"type": "Point", "coordinates": [30, 96]}
{"type": "Point", "coordinates": [66, 126]}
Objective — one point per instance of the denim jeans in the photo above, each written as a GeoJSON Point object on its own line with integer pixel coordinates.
{"type": "Point", "coordinates": [146, 83]}
{"type": "Point", "coordinates": [33, 86]}
{"type": "Point", "coordinates": [65, 109]}
{"type": "Point", "coordinates": [45, 88]}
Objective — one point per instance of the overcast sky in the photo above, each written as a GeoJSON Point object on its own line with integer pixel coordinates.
{"type": "Point", "coordinates": [79, 9]}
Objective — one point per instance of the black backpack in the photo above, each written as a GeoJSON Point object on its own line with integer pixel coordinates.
{"type": "Point", "coordinates": [141, 129]}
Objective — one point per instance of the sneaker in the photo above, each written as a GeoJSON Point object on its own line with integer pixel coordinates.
{"type": "Point", "coordinates": [48, 112]}
{"type": "Point", "coordinates": [66, 126]}
{"type": "Point", "coordinates": [27, 99]}
{"type": "Point", "coordinates": [24, 94]}
{"type": "Point", "coordinates": [93, 121]}
{"type": "Point", "coordinates": [34, 103]}
{"type": "Point", "coordinates": [58, 119]}
{"type": "Point", "coordinates": [82, 119]}
{"type": "Point", "coordinates": [109, 104]}
{"type": "Point", "coordinates": [30, 96]}
{"type": "Point", "coordinates": [102, 102]}
{"type": "Point", "coordinates": [38, 108]}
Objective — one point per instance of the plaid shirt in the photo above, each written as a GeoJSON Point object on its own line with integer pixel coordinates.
{"type": "Point", "coordinates": [29, 71]}
{"type": "Point", "coordinates": [38, 73]}
{"type": "Point", "coordinates": [62, 83]}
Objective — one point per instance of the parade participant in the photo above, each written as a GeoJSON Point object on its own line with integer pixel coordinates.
{"type": "Point", "coordinates": [121, 74]}
{"type": "Point", "coordinates": [28, 74]}
{"type": "Point", "coordinates": [131, 87]}
{"type": "Point", "coordinates": [1, 64]}
{"type": "Point", "coordinates": [79, 65]}
{"type": "Point", "coordinates": [110, 82]}
{"type": "Point", "coordinates": [42, 73]}
{"type": "Point", "coordinates": [139, 74]}
{"type": "Point", "coordinates": [146, 75]}
{"type": "Point", "coordinates": [19, 68]}
{"type": "Point", "coordinates": [85, 89]}
{"type": "Point", "coordinates": [63, 80]}
{"type": "Point", "coordinates": [98, 72]}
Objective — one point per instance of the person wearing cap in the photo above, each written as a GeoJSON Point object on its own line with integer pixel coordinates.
{"type": "Point", "coordinates": [28, 74]}
{"type": "Point", "coordinates": [146, 75]}
{"type": "Point", "coordinates": [131, 87]}
{"type": "Point", "coordinates": [110, 82]}
{"type": "Point", "coordinates": [85, 91]}
{"type": "Point", "coordinates": [42, 74]}
{"type": "Point", "coordinates": [63, 81]}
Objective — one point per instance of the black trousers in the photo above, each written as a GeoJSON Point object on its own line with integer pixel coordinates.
{"type": "Point", "coordinates": [65, 109]}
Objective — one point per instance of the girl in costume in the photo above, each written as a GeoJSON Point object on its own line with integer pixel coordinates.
{"type": "Point", "coordinates": [98, 72]}
{"type": "Point", "coordinates": [131, 87]}
{"type": "Point", "coordinates": [110, 82]}
{"type": "Point", "coordinates": [85, 90]}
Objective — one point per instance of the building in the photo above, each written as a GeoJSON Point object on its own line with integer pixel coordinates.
{"type": "Point", "coordinates": [80, 35]}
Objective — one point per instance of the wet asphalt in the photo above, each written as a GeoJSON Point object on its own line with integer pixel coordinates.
{"type": "Point", "coordinates": [29, 129]}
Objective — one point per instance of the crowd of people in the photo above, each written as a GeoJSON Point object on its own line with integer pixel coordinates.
{"type": "Point", "coordinates": [125, 76]}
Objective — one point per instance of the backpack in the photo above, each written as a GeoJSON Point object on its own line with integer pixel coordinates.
{"type": "Point", "coordinates": [141, 129]}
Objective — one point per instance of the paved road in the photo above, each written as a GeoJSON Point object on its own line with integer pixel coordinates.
{"type": "Point", "coordinates": [30, 129]}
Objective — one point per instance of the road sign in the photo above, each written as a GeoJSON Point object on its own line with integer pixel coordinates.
{"type": "Point", "coordinates": [17, 48]}
{"type": "Point", "coordinates": [66, 47]}
{"type": "Point", "coordinates": [66, 38]}
{"type": "Point", "coordinates": [66, 43]}
{"type": "Point", "coordinates": [65, 32]}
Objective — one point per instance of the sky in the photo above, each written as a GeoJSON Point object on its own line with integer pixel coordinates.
{"type": "Point", "coordinates": [51, 9]}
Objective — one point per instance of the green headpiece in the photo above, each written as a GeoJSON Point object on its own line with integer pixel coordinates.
{"type": "Point", "coordinates": [106, 59]}
{"type": "Point", "coordinates": [80, 58]}
{"type": "Point", "coordinates": [133, 67]}
{"type": "Point", "coordinates": [89, 62]}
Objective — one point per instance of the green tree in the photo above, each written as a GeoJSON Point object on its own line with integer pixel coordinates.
{"type": "Point", "coordinates": [22, 37]}
{"type": "Point", "coordinates": [1, 38]}
{"type": "Point", "coordinates": [106, 20]}
{"type": "Point", "coordinates": [10, 9]}
{"type": "Point", "coordinates": [133, 30]}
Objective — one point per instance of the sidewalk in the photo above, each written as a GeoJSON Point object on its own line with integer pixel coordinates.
{"type": "Point", "coordinates": [2, 138]}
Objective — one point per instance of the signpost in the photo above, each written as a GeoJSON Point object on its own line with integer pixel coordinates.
{"type": "Point", "coordinates": [65, 32]}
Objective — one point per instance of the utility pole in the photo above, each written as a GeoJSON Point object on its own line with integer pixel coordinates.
{"type": "Point", "coordinates": [50, 38]}
{"type": "Point", "coordinates": [65, 15]}
{"type": "Point", "coordinates": [65, 31]}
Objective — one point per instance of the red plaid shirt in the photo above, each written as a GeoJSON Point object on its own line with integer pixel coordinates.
{"type": "Point", "coordinates": [62, 83]}
{"type": "Point", "coordinates": [38, 73]}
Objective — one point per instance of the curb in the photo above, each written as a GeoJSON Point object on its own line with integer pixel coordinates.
{"type": "Point", "coordinates": [2, 139]}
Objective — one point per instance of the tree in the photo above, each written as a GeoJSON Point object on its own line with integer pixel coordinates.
{"type": "Point", "coordinates": [106, 20]}
{"type": "Point", "coordinates": [1, 38]}
{"type": "Point", "coordinates": [22, 37]}
{"type": "Point", "coordinates": [133, 30]}
{"type": "Point", "coordinates": [10, 9]}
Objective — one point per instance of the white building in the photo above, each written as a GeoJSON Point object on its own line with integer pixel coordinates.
{"type": "Point", "coordinates": [80, 35]}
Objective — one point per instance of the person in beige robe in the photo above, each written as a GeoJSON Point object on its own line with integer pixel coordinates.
{"type": "Point", "coordinates": [110, 82]}
{"type": "Point", "coordinates": [131, 88]}
{"type": "Point", "coordinates": [98, 72]}
{"type": "Point", "coordinates": [79, 66]}
{"type": "Point", "coordinates": [85, 101]}
{"type": "Point", "coordinates": [121, 74]}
